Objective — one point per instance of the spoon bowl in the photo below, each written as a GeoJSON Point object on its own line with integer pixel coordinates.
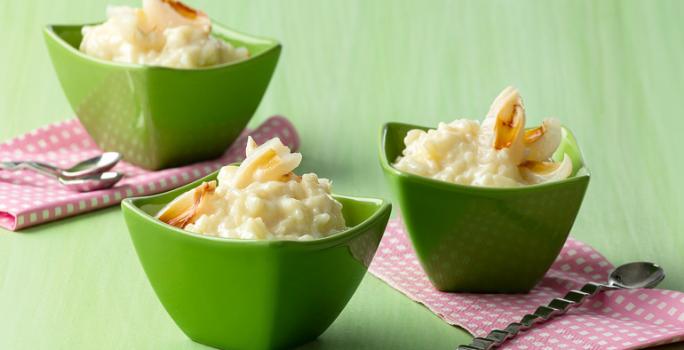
{"type": "Point", "coordinates": [95, 165]}
{"type": "Point", "coordinates": [91, 182]}
{"type": "Point", "coordinates": [636, 275]}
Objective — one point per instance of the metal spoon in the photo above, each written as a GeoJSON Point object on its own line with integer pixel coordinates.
{"type": "Point", "coordinates": [91, 182]}
{"type": "Point", "coordinates": [95, 165]}
{"type": "Point", "coordinates": [627, 276]}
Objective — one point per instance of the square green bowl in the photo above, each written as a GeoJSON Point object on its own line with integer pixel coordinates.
{"type": "Point", "coordinates": [484, 239]}
{"type": "Point", "coordinates": [160, 117]}
{"type": "Point", "coordinates": [248, 294]}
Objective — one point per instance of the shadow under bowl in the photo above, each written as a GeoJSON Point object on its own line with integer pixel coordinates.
{"type": "Point", "coordinates": [160, 117]}
{"type": "Point", "coordinates": [248, 294]}
{"type": "Point", "coordinates": [484, 239]}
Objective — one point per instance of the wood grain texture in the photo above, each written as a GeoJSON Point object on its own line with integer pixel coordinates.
{"type": "Point", "coordinates": [611, 70]}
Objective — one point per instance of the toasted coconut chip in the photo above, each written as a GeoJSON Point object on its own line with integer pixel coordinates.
{"type": "Point", "coordinates": [277, 166]}
{"type": "Point", "coordinates": [542, 141]}
{"type": "Point", "coordinates": [251, 146]}
{"type": "Point", "coordinates": [183, 9]}
{"type": "Point", "coordinates": [186, 208]}
{"type": "Point", "coordinates": [532, 135]}
{"type": "Point", "coordinates": [510, 118]}
{"type": "Point", "coordinates": [245, 173]}
{"type": "Point", "coordinates": [268, 162]}
{"type": "Point", "coordinates": [536, 172]}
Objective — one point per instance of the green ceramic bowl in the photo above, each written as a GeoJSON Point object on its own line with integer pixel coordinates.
{"type": "Point", "coordinates": [483, 239]}
{"type": "Point", "coordinates": [241, 294]}
{"type": "Point", "coordinates": [160, 117]}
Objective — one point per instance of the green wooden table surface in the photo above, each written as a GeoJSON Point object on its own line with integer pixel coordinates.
{"type": "Point", "coordinates": [611, 70]}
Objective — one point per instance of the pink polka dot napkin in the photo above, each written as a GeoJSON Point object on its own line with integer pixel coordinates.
{"type": "Point", "coordinates": [612, 320]}
{"type": "Point", "coordinates": [28, 199]}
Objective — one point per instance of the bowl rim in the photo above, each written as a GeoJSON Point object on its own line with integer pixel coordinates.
{"type": "Point", "coordinates": [383, 207]}
{"type": "Point", "coordinates": [453, 187]}
{"type": "Point", "coordinates": [217, 27]}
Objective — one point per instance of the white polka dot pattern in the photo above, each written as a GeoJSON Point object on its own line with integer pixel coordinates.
{"type": "Point", "coordinates": [612, 320]}
{"type": "Point", "coordinates": [28, 199]}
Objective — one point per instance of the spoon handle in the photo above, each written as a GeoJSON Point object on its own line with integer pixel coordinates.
{"type": "Point", "coordinates": [42, 168]}
{"type": "Point", "coordinates": [556, 307]}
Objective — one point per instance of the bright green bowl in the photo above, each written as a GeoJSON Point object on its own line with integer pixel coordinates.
{"type": "Point", "coordinates": [160, 117]}
{"type": "Point", "coordinates": [483, 239]}
{"type": "Point", "coordinates": [241, 294]}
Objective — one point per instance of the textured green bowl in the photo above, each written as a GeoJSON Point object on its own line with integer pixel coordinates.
{"type": "Point", "coordinates": [241, 294]}
{"type": "Point", "coordinates": [160, 117]}
{"type": "Point", "coordinates": [483, 239]}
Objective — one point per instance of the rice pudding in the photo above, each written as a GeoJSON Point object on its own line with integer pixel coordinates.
{"type": "Point", "coordinates": [498, 152]}
{"type": "Point", "coordinates": [161, 33]}
{"type": "Point", "coordinates": [261, 199]}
